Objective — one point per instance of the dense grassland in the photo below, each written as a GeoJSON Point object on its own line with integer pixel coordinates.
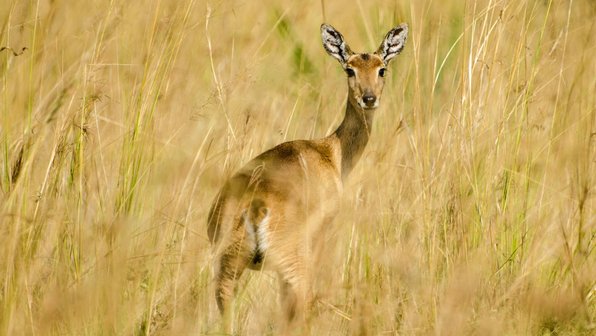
{"type": "Point", "coordinates": [472, 211]}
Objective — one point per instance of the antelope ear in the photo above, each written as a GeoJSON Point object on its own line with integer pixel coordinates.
{"type": "Point", "coordinates": [394, 43]}
{"type": "Point", "coordinates": [334, 43]}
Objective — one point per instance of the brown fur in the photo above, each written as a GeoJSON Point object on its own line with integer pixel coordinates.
{"type": "Point", "coordinates": [367, 80]}
{"type": "Point", "coordinates": [278, 201]}
{"type": "Point", "coordinates": [365, 61]}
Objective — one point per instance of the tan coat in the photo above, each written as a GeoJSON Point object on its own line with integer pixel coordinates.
{"type": "Point", "coordinates": [268, 215]}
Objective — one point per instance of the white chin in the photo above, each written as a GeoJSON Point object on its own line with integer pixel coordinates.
{"type": "Point", "coordinates": [362, 105]}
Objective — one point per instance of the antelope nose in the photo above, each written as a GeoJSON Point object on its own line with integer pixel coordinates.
{"type": "Point", "coordinates": [369, 100]}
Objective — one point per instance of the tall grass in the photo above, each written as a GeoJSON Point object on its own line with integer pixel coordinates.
{"type": "Point", "coordinates": [472, 210]}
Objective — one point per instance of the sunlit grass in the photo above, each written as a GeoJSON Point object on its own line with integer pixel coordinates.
{"type": "Point", "coordinates": [472, 210]}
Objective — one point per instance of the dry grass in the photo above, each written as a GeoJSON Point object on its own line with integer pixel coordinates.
{"type": "Point", "coordinates": [122, 118]}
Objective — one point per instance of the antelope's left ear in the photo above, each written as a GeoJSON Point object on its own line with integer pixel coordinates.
{"type": "Point", "coordinates": [394, 43]}
{"type": "Point", "coordinates": [334, 44]}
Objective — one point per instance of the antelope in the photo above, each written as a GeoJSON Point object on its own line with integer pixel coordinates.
{"type": "Point", "coordinates": [269, 213]}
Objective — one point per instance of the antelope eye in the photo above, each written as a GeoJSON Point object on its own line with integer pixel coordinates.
{"type": "Point", "coordinates": [382, 72]}
{"type": "Point", "coordinates": [350, 72]}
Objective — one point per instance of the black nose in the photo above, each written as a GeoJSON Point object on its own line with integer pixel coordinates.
{"type": "Point", "coordinates": [369, 100]}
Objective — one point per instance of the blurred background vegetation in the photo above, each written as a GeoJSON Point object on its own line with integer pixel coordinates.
{"type": "Point", "coordinates": [472, 210]}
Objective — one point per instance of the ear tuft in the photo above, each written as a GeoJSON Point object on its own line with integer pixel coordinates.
{"type": "Point", "coordinates": [394, 43]}
{"type": "Point", "coordinates": [334, 43]}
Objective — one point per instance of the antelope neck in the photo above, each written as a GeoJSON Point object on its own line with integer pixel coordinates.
{"type": "Point", "coordinates": [353, 134]}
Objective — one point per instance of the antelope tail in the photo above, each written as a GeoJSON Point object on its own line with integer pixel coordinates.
{"type": "Point", "coordinates": [256, 220]}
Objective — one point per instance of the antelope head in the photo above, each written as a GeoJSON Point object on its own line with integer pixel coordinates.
{"type": "Point", "coordinates": [366, 72]}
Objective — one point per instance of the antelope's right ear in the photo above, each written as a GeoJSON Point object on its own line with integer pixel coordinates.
{"type": "Point", "coordinates": [334, 43]}
{"type": "Point", "coordinates": [394, 43]}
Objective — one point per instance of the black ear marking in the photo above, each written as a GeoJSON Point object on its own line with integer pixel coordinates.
{"type": "Point", "coordinates": [393, 43]}
{"type": "Point", "coordinates": [334, 43]}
